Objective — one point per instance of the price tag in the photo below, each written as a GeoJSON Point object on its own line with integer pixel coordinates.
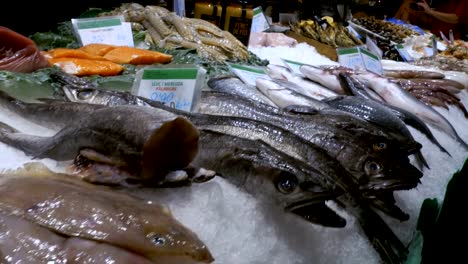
{"type": "Point", "coordinates": [372, 46]}
{"type": "Point", "coordinates": [111, 30]}
{"type": "Point", "coordinates": [404, 53]}
{"type": "Point", "coordinates": [359, 58]}
{"type": "Point", "coordinates": [293, 66]}
{"type": "Point", "coordinates": [178, 87]}
{"type": "Point", "coordinates": [350, 57]}
{"type": "Point", "coordinates": [248, 74]}
{"type": "Point", "coordinates": [259, 21]}
{"type": "Point", "coordinates": [371, 62]}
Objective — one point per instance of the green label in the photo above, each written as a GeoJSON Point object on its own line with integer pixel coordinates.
{"type": "Point", "coordinates": [247, 68]}
{"type": "Point", "coordinates": [159, 74]}
{"type": "Point", "coordinates": [368, 53]}
{"type": "Point", "coordinates": [347, 51]}
{"type": "Point", "coordinates": [98, 23]}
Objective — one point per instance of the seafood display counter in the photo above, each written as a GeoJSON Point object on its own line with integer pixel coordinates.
{"type": "Point", "coordinates": [320, 162]}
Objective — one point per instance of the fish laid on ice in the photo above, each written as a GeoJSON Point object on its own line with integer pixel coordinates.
{"type": "Point", "coordinates": [283, 96]}
{"type": "Point", "coordinates": [326, 76]}
{"type": "Point", "coordinates": [149, 142]}
{"type": "Point", "coordinates": [304, 86]}
{"type": "Point", "coordinates": [253, 165]}
{"type": "Point", "coordinates": [388, 246]}
{"type": "Point", "coordinates": [397, 96]}
{"type": "Point", "coordinates": [74, 208]}
{"type": "Point", "coordinates": [234, 85]}
{"type": "Point", "coordinates": [377, 112]}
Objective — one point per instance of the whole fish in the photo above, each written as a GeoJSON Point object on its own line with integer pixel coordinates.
{"type": "Point", "coordinates": [74, 208]}
{"type": "Point", "coordinates": [304, 86]}
{"type": "Point", "coordinates": [234, 85]}
{"type": "Point", "coordinates": [326, 76]}
{"type": "Point", "coordinates": [283, 96]}
{"type": "Point", "coordinates": [409, 74]}
{"type": "Point", "coordinates": [23, 241]}
{"type": "Point", "coordinates": [341, 134]}
{"type": "Point", "coordinates": [285, 181]}
{"type": "Point", "coordinates": [376, 112]}
{"type": "Point", "coordinates": [149, 142]}
{"type": "Point", "coordinates": [397, 96]}
{"type": "Point", "coordinates": [450, 85]}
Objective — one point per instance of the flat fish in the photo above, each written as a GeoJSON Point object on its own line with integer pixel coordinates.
{"type": "Point", "coordinates": [74, 208]}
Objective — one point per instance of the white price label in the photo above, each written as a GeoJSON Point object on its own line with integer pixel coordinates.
{"type": "Point", "coordinates": [359, 58]}
{"type": "Point", "coordinates": [259, 21]}
{"type": "Point", "coordinates": [404, 53]}
{"type": "Point", "coordinates": [176, 87]}
{"type": "Point", "coordinates": [248, 74]}
{"type": "Point", "coordinates": [111, 30]}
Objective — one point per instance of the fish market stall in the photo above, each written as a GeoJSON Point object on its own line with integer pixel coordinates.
{"type": "Point", "coordinates": [319, 163]}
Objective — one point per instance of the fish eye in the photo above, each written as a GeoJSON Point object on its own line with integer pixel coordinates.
{"type": "Point", "coordinates": [286, 183]}
{"type": "Point", "coordinates": [379, 146]}
{"type": "Point", "coordinates": [373, 167]}
{"type": "Point", "coordinates": [84, 94]}
{"type": "Point", "coordinates": [156, 239]}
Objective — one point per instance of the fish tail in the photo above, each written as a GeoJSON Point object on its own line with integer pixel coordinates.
{"type": "Point", "coordinates": [381, 236]}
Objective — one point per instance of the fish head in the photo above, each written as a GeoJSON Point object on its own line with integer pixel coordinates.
{"type": "Point", "coordinates": [167, 239]}
{"type": "Point", "coordinates": [379, 164]}
{"type": "Point", "coordinates": [297, 193]}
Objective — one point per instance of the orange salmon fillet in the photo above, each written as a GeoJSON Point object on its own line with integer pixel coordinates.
{"type": "Point", "coordinates": [86, 67]}
{"type": "Point", "coordinates": [129, 55]}
{"type": "Point", "coordinates": [97, 49]}
{"type": "Point", "coordinates": [73, 53]}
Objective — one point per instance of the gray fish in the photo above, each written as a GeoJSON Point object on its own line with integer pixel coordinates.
{"type": "Point", "coordinates": [326, 76]}
{"type": "Point", "coordinates": [375, 112]}
{"type": "Point", "coordinates": [409, 74]}
{"type": "Point", "coordinates": [388, 245]}
{"type": "Point", "coordinates": [283, 94]}
{"type": "Point", "coordinates": [71, 207]}
{"type": "Point", "coordinates": [149, 141]}
{"type": "Point", "coordinates": [285, 181]}
{"type": "Point", "coordinates": [446, 84]}
{"type": "Point", "coordinates": [233, 85]}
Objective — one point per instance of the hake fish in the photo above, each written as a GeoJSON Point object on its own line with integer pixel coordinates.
{"type": "Point", "coordinates": [388, 245]}
{"type": "Point", "coordinates": [74, 208]}
{"type": "Point", "coordinates": [149, 142]}
{"type": "Point", "coordinates": [326, 76]}
{"type": "Point", "coordinates": [252, 165]}
{"type": "Point", "coordinates": [283, 96]}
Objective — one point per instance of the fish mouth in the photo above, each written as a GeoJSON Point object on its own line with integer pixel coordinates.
{"type": "Point", "coordinates": [321, 214]}
{"type": "Point", "coordinates": [383, 184]}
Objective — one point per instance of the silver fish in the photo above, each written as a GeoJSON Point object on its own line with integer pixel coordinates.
{"type": "Point", "coordinates": [233, 85]}
{"type": "Point", "coordinates": [397, 96]}
{"type": "Point", "coordinates": [71, 207]}
{"type": "Point", "coordinates": [304, 86]}
{"type": "Point", "coordinates": [283, 96]}
{"type": "Point", "coordinates": [326, 76]}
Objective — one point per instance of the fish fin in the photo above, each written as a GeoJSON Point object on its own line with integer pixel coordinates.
{"type": "Point", "coordinates": [381, 236]}
{"type": "Point", "coordinates": [386, 204]}
{"type": "Point", "coordinates": [320, 214]}
{"type": "Point", "coordinates": [5, 128]}
{"type": "Point", "coordinates": [171, 147]}
{"type": "Point", "coordinates": [301, 109]}
{"type": "Point", "coordinates": [48, 100]}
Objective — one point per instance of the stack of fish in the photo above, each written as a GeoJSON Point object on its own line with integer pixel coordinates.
{"type": "Point", "coordinates": [303, 144]}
